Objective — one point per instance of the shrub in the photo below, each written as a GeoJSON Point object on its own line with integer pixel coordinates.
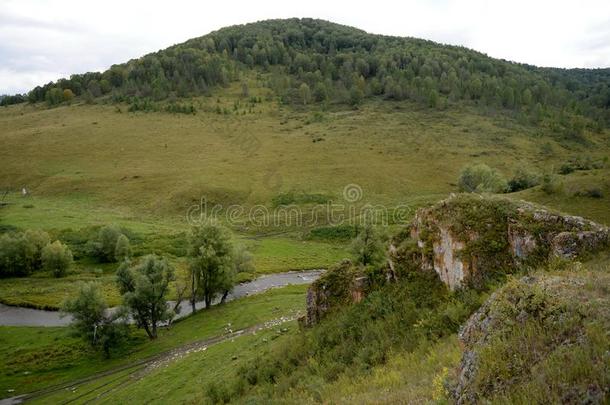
{"type": "Point", "coordinates": [550, 184]}
{"type": "Point", "coordinates": [56, 258]}
{"type": "Point", "coordinates": [38, 239]}
{"type": "Point", "coordinates": [594, 192]}
{"type": "Point", "coordinates": [581, 163]}
{"type": "Point", "coordinates": [481, 178]}
{"type": "Point", "coordinates": [20, 253]}
{"type": "Point", "coordinates": [367, 247]}
{"type": "Point", "coordinates": [339, 232]}
{"type": "Point", "coordinates": [405, 315]}
{"type": "Point", "coordinates": [104, 246]}
{"type": "Point", "coordinates": [176, 108]}
{"type": "Point", "coordinates": [522, 180]}
{"type": "Point", "coordinates": [122, 249]}
{"type": "Point", "coordinates": [91, 320]}
{"type": "Point", "coordinates": [218, 393]}
{"type": "Point", "coordinates": [244, 277]}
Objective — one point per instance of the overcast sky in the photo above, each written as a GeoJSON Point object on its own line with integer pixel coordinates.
{"type": "Point", "coordinates": [42, 40]}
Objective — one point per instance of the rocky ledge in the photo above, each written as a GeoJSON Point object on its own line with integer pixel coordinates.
{"type": "Point", "coordinates": [467, 237]}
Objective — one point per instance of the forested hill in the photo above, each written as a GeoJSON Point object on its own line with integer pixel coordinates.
{"type": "Point", "coordinates": [315, 61]}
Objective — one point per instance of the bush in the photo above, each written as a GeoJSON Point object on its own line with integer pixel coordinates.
{"type": "Point", "coordinates": [21, 253]}
{"type": "Point", "coordinates": [550, 184]}
{"type": "Point", "coordinates": [367, 248]}
{"type": "Point", "coordinates": [244, 277]}
{"type": "Point", "coordinates": [481, 178]}
{"type": "Point", "coordinates": [523, 180]}
{"type": "Point", "coordinates": [56, 258]}
{"type": "Point", "coordinates": [594, 192]}
{"type": "Point", "coordinates": [580, 163]}
{"type": "Point", "coordinates": [122, 249]}
{"type": "Point", "coordinates": [91, 320]}
{"type": "Point", "coordinates": [104, 246]}
{"type": "Point", "coordinates": [176, 108]}
{"type": "Point", "coordinates": [339, 232]}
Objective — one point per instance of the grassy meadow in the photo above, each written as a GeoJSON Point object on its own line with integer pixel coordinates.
{"type": "Point", "coordinates": [35, 358]}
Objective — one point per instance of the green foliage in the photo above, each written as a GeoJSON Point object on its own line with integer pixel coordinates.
{"type": "Point", "coordinates": [367, 247]}
{"type": "Point", "coordinates": [6, 100]}
{"type": "Point", "coordinates": [142, 104]}
{"type": "Point", "coordinates": [480, 178]}
{"type": "Point", "coordinates": [144, 288]}
{"type": "Point", "coordinates": [594, 192]}
{"type": "Point", "coordinates": [56, 258]}
{"type": "Point", "coordinates": [522, 180]}
{"type": "Point", "coordinates": [399, 316]}
{"type": "Point", "coordinates": [543, 342]}
{"type": "Point", "coordinates": [317, 60]}
{"type": "Point", "coordinates": [21, 253]}
{"type": "Point", "coordinates": [104, 245]}
{"type": "Point", "coordinates": [293, 197]}
{"type": "Point", "coordinates": [54, 96]}
{"type": "Point", "coordinates": [338, 233]}
{"type": "Point", "coordinates": [242, 260]}
{"type": "Point", "coordinates": [580, 163]}
{"type": "Point", "coordinates": [244, 278]}
{"type": "Point", "coordinates": [177, 108]}
{"type": "Point", "coordinates": [122, 249]}
{"type": "Point", "coordinates": [211, 266]}
{"type": "Point", "coordinates": [550, 184]}
{"type": "Point", "coordinates": [91, 320]}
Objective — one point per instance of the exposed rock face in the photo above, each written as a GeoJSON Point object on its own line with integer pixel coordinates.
{"type": "Point", "coordinates": [555, 304]}
{"type": "Point", "coordinates": [450, 268]}
{"type": "Point", "coordinates": [342, 284]}
{"type": "Point", "coordinates": [465, 236]}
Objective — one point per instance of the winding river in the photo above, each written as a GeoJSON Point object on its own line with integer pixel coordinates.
{"type": "Point", "coordinates": [17, 316]}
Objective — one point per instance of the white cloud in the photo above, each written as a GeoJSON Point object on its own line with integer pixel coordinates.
{"type": "Point", "coordinates": [42, 40]}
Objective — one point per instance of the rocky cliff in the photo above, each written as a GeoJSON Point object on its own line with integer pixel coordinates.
{"type": "Point", "coordinates": [341, 284]}
{"type": "Point", "coordinates": [466, 238]}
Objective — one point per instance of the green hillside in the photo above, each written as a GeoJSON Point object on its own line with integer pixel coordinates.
{"type": "Point", "coordinates": [269, 127]}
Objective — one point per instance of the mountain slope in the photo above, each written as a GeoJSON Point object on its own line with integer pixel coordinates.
{"type": "Point", "coordinates": [318, 61]}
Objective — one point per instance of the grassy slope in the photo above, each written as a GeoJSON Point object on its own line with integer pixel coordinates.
{"type": "Point", "coordinates": [183, 381]}
{"type": "Point", "coordinates": [155, 165]}
{"type": "Point", "coordinates": [91, 165]}
{"type": "Point", "coordinates": [34, 358]}
{"type": "Point", "coordinates": [406, 377]}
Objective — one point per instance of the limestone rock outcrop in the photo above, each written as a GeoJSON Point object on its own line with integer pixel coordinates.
{"type": "Point", "coordinates": [341, 284]}
{"type": "Point", "coordinates": [465, 237]}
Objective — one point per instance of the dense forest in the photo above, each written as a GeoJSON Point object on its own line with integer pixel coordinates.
{"type": "Point", "coordinates": [313, 61]}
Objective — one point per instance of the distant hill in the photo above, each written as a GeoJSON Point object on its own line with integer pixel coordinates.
{"type": "Point", "coordinates": [315, 61]}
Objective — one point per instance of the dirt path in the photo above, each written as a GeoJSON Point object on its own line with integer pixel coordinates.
{"type": "Point", "coordinates": [137, 370]}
